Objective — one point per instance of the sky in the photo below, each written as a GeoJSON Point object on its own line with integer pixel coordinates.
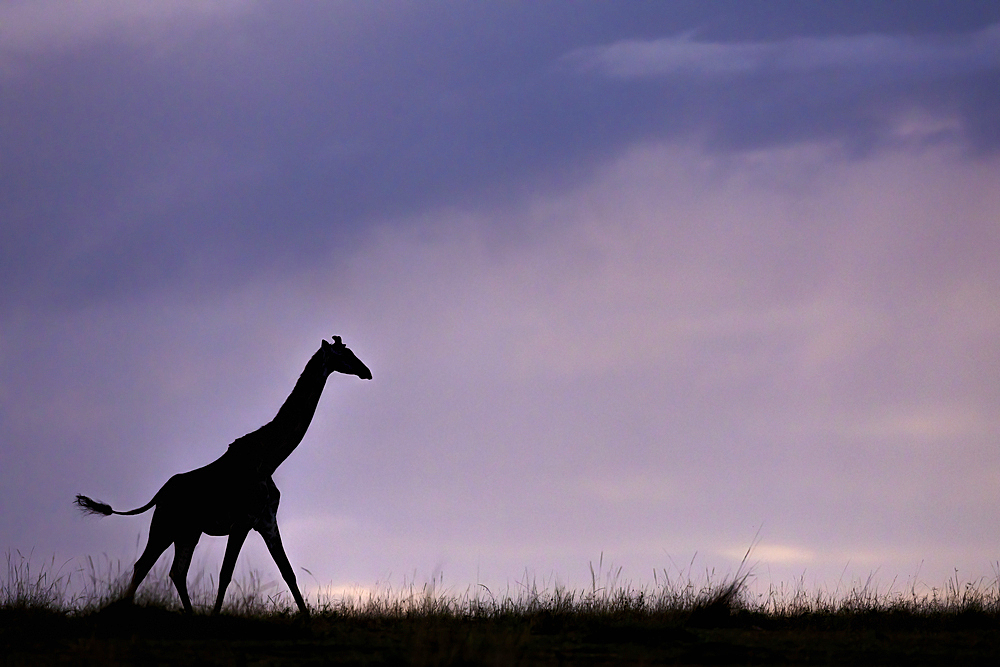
{"type": "Point", "coordinates": [640, 284]}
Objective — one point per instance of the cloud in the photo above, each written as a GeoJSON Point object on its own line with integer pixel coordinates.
{"type": "Point", "coordinates": [902, 55]}
{"type": "Point", "coordinates": [858, 89]}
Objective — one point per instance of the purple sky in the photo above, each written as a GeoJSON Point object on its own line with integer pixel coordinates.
{"type": "Point", "coordinates": [640, 279]}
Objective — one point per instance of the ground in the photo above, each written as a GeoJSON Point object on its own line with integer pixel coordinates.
{"type": "Point", "coordinates": [129, 635]}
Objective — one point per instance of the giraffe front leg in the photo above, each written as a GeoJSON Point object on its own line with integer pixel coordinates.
{"type": "Point", "coordinates": [273, 541]}
{"type": "Point", "coordinates": [236, 540]}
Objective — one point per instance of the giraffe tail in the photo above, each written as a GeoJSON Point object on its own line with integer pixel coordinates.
{"type": "Point", "coordinates": [91, 506]}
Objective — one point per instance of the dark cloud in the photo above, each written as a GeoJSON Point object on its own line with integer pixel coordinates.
{"type": "Point", "coordinates": [206, 152]}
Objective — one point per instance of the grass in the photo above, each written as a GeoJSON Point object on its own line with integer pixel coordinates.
{"type": "Point", "coordinates": [55, 614]}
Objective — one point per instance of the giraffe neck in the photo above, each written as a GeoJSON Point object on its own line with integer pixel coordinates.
{"type": "Point", "coordinates": [267, 447]}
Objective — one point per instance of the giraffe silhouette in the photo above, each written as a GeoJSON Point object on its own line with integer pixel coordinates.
{"type": "Point", "coordinates": [235, 493]}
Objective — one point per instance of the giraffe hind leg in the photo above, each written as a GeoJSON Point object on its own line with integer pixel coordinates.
{"type": "Point", "coordinates": [157, 543]}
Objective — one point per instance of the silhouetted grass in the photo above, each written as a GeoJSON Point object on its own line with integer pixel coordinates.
{"type": "Point", "coordinates": [55, 614]}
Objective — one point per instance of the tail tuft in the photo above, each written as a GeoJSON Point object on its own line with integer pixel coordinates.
{"type": "Point", "coordinates": [91, 506]}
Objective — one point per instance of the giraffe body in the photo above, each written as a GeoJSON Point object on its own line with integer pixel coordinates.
{"type": "Point", "coordinates": [235, 493]}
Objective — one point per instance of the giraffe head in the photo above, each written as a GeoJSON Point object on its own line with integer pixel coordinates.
{"type": "Point", "coordinates": [338, 358]}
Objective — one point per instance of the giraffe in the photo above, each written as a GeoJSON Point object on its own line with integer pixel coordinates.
{"type": "Point", "coordinates": [235, 493]}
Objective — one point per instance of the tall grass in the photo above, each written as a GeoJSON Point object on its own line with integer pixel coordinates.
{"type": "Point", "coordinates": [30, 587]}
{"type": "Point", "coordinates": [608, 595]}
{"type": "Point", "coordinates": [953, 597]}
{"type": "Point", "coordinates": [709, 599]}
{"type": "Point", "coordinates": [61, 588]}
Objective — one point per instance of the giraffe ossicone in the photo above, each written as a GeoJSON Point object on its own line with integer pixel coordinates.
{"type": "Point", "coordinates": [235, 493]}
